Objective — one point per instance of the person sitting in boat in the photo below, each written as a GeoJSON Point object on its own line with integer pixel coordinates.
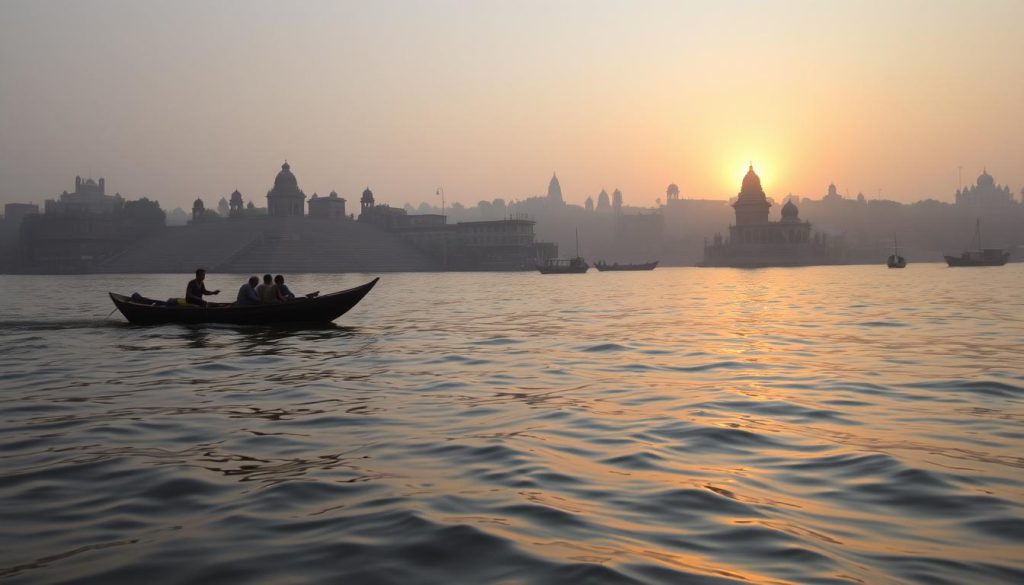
{"type": "Point", "coordinates": [196, 289]}
{"type": "Point", "coordinates": [247, 294]}
{"type": "Point", "coordinates": [284, 294]}
{"type": "Point", "coordinates": [266, 290]}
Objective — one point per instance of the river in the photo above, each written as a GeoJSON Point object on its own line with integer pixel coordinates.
{"type": "Point", "coordinates": [809, 425]}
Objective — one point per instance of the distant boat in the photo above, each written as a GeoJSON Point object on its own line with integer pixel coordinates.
{"type": "Point", "coordinates": [980, 256]}
{"type": "Point", "coordinates": [625, 267]}
{"type": "Point", "coordinates": [895, 260]}
{"type": "Point", "coordinates": [576, 265]}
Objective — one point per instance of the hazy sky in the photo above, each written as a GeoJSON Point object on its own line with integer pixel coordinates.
{"type": "Point", "coordinates": [177, 99]}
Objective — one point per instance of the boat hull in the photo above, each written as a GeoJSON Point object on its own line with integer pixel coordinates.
{"type": "Point", "coordinates": [626, 267]}
{"type": "Point", "coordinates": [989, 260]}
{"type": "Point", "coordinates": [896, 262]}
{"type": "Point", "coordinates": [322, 309]}
{"type": "Point", "coordinates": [563, 269]}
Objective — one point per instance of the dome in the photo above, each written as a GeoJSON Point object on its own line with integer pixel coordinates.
{"type": "Point", "coordinates": [285, 179]}
{"type": "Point", "coordinates": [198, 203]}
{"type": "Point", "coordinates": [367, 194]}
{"type": "Point", "coordinates": [333, 195]}
{"type": "Point", "coordinates": [790, 210]}
{"type": "Point", "coordinates": [985, 179]}
{"type": "Point", "coordinates": [751, 182]}
{"type": "Point", "coordinates": [673, 189]}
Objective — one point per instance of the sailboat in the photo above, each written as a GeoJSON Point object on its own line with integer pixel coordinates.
{"type": "Point", "coordinates": [981, 256]}
{"type": "Point", "coordinates": [575, 265]}
{"type": "Point", "coordinates": [895, 260]}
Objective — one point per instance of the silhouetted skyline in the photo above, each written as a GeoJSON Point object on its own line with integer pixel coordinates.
{"type": "Point", "coordinates": [185, 100]}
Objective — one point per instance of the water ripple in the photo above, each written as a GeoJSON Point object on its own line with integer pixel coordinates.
{"type": "Point", "coordinates": [821, 425]}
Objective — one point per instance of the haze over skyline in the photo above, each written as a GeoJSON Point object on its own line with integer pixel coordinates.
{"type": "Point", "coordinates": [178, 100]}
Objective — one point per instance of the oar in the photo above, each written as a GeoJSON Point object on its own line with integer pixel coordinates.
{"type": "Point", "coordinates": [112, 312]}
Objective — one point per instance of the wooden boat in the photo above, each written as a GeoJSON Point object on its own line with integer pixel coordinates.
{"type": "Point", "coordinates": [980, 256]}
{"type": "Point", "coordinates": [321, 309]}
{"type": "Point", "coordinates": [895, 260]}
{"type": "Point", "coordinates": [625, 267]}
{"type": "Point", "coordinates": [575, 265]}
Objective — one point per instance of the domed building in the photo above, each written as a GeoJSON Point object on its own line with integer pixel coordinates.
{"type": "Point", "coordinates": [984, 193]}
{"type": "Point", "coordinates": [756, 241]}
{"type": "Point", "coordinates": [286, 199]}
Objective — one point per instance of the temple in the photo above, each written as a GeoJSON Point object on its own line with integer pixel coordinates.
{"type": "Point", "coordinates": [755, 241]}
{"type": "Point", "coordinates": [985, 193]}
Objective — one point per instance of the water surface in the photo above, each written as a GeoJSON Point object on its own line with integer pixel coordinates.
{"type": "Point", "coordinates": [810, 425]}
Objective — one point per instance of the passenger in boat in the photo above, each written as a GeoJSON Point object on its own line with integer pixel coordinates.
{"type": "Point", "coordinates": [247, 294]}
{"type": "Point", "coordinates": [266, 290]}
{"type": "Point", "coordinates": [284, 294]}
{"type": "Point", "coordinates": [196, 289]}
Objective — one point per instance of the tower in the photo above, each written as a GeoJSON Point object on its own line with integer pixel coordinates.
{"type": "Point", "coordinates": [235, 206]}
{"type": "Point", "coordinates": [366, 202]}
{"type": "Point", "coordinates": [751, 205]}
{"type": "Point", "coordinates": [672, 193]}
{"type": "Point", "coordinates": [198, 210]}
{"type": "Point", "coordinates": [555, 190]}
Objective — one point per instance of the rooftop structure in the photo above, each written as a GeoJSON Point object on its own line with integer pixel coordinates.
{"type": "Point", "coordinates": [89, 197]}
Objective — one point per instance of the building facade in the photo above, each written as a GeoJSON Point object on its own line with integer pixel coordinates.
{"type": "Point", "coordinates": [89, 197]}
{"type": "Point", "coordinates": [330, 207]}
{"type": "Point", "coordinates": [15, 212]}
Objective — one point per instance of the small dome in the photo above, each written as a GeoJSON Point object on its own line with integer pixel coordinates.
{"type": "Point", "coordinates": [285, 179]}
{"type": "Point", "coordinates": [367, 193]}
{"type": "Point", "coordinates": [673, 189]}
{"type": "Point", "coordinates": [333, 195]}
{"type": "Point", "coordinates": [985, 179]}
{"type": "Point", "coordinates": [790, 210]}
{"type": "Point", "coordinates": [198, 203]}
